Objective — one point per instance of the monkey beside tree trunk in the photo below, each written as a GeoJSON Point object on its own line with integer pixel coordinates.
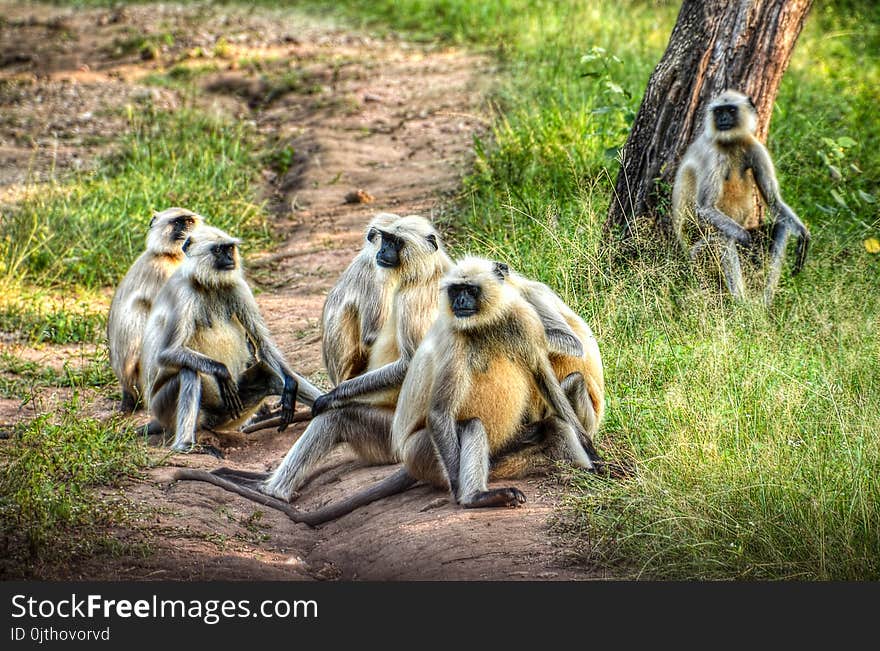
{"type": "Point", "coordinates": [745, 45]}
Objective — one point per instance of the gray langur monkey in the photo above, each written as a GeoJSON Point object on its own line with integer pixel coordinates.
{"type": "Point", "coordinates": [484, 382]}
{"type": "Point", "coordinates": [134, 297]}
{"type": "Point", "coordinates": [713, 198]}
{"type": "Point", "coordinates": [359, 410]}
{"type": "Point", "coordinates": [208, 358]}
{"type": "Point", "coordinates": [412, 256]}
{"type": "Point", "coordinates": [357, 307]}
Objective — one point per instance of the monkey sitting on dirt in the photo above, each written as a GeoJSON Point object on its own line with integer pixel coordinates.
{"type": "Point", "coordinates": [208, 358]}
{"type": "Point", "coordinates": [357, 307]}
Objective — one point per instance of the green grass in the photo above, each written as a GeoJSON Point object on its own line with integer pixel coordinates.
{"type": "Point", "coordinates": [20, 378]}
{"type": "Point", "coordinates": [49, 504]}
{"type": "Point", "coordinates": [180, 76]}
{"type": "Point", "coordinates": [754, 434]}
{"type": "Point", "coordinates": [40, 316]}
{"type": "Point", "coordinates": [86, 230]}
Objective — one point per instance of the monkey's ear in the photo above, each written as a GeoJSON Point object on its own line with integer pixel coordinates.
{"type": "Point", "coordinates": [432, 240]}
{"type": "Point", "coordinates": [372, 235]}
{"type": "Point", "coordinates": [153, 220]}
{"type": "Point", "coordinates": [186, 244]}
{"type": "Point", "coordinates": [501, 270]}
{"type": "Point", "coordinates": [752, 104]}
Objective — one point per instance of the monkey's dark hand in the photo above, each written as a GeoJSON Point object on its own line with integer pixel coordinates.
{"type": "Point", "coordinates": [323, 403]}
{"type": "Point", "coordinates": [288, 402]}
{"type": "Point", "coordinates": [733, 231]}
{"type": "Point", "coordinates": [740, 235]}
{"type": "Point", "coordinates": [725, 225]}
{"type": "Point", "coordinates": [228, 391]}
{"type": "Point", "coordinates": [803, 245]}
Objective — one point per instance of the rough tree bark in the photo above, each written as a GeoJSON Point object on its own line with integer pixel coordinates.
{"type": "Point", "coordinates": [744, 45]}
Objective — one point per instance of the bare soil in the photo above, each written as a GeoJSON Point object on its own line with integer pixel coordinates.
{"type": "Point", "coordinates": [389, 118]}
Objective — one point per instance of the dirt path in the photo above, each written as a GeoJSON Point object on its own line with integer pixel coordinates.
{"type": "Point", "coordinates": [391, 118]}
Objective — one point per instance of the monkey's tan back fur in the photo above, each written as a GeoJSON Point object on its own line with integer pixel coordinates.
{"type": "Point", "coordinates": [134, 297]}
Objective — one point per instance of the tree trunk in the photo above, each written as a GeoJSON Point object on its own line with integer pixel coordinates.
{"type": "Point", "coordinates": [743, 45]}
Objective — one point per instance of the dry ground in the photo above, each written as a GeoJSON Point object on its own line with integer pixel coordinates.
{"type": "Point", "coordinates": [382, 115]}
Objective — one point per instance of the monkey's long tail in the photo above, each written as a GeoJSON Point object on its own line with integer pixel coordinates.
{"type": "Point", "coordinates": [274, 421]}
{"type": "Point", "coordinates": [396, 483]}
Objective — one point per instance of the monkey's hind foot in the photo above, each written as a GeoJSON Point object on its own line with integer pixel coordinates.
{"type": "Point", "coordinates": [264, 412]}
{"type": "Point", "coordinates": [154, 434]}
{"type": "Point", "coordinates": [495, 498]}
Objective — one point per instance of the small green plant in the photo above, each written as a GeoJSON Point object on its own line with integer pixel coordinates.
{"type": "Point", "coordinates": [181, 76]}
{"type": "Point", "coordinates": [256, 527]}
{"type": "Point", "coordinates": [615, 113]}
{"type": "Point", "coordinates": [845, 175]}
{"type": "Point", "coordinates": [222, 49]}
{"type": "Point", "coordinates": [281, 159]}
{"type": "Point", "coordinates": [148, 47]}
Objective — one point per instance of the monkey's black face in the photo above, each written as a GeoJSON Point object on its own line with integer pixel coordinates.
{"type": "Point", "coordinates": [389, 251]}
{"type": "Point", "coordinates": [224, 257]}
{"type": "Point", "coordinates": [726, 117]}
{"type": "Point", "coordinates": [464, 300]}
{"type": "Point", "coordinates": [181, 228]}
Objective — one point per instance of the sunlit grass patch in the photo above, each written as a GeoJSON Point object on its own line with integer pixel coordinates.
{"type": "Point", "coordinates": [86, 230]}
{"type": "Point", "coordinates": [37, 316]}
